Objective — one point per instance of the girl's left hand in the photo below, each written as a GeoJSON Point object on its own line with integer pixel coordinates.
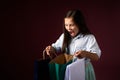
{"type": "Point", "coordinates": [80, 54]}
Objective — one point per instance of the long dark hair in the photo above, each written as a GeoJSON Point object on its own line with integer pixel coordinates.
{"type": "Point", "coordinates": [79, 20]}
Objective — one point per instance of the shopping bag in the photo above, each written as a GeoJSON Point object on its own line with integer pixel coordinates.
{"type": "Point", "coordinates": [41, 68]}
{"type": "Point", "coordinates": [76, 70]}
{"type": "Point", "coordinates": [57, 66]}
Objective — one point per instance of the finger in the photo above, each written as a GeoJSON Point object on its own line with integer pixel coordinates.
{"type": "Point", "coordinates": [48, 52]}
{"type": "Point", "coordinates": [49, 47]}
{"type": "Point", "coordinates": [76, 54]}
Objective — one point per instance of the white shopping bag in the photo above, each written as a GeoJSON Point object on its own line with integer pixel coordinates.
{"type": "Point", "coordinates": [75, 70]}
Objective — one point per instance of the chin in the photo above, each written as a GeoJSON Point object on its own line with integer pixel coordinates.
{"type": "Point", "coordinates": [72, 35]}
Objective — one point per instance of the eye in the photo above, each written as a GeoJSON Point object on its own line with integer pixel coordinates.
{"type": "Point", "coordinates": [71, 24]}
{"type": "Point", "coordinates": [66, 24]}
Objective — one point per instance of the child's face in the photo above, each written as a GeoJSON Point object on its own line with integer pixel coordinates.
{"type": "Point", "coordinates": [71, 27]}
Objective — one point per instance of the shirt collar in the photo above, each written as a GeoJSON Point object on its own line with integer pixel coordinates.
{"type": "Point", "coordinates": [78, 36]}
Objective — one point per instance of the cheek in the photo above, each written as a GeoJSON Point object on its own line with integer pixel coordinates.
{"type": "Point", "coordinates": [66, 28]}
{"type": "Point", "coordinates": [76, 30]}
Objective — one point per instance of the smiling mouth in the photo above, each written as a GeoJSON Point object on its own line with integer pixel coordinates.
{"type": "Point", "coordinates": [71, 32]}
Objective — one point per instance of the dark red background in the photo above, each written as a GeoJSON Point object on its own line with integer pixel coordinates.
{"type": "Point", "coordinates": [29, 26]}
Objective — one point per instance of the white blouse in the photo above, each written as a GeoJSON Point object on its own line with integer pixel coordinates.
{"type": "Point", "coordinates": [80, 42]}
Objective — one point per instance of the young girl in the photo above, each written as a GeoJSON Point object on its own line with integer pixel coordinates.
{"type": "Point", "coordinates": [77, 40]}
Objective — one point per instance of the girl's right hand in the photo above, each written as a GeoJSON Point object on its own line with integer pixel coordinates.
{"type": "Point", "coordinates": [49, 50]}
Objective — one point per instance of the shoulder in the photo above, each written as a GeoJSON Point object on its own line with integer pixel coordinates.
{"type": "Point", "coordinates": [89, 36]}
{"type": "Point", "coordinates": [86, 36]}
{"type": "Point", "coordinates": [61, 36]}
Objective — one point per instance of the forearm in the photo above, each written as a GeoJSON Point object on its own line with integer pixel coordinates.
{"type": "Point", "coordinates": [92, 56]}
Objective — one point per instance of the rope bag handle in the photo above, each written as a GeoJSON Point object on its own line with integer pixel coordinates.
{"type": "Point", "coordinates": [44, 55]}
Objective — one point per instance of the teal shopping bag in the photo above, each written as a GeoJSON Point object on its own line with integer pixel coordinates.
{"type": "Point", "coordinates": [57, 66]}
